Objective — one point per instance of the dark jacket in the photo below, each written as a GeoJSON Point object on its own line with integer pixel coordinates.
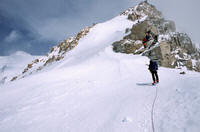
{"type": "Point", "coordinates": [153, 66]}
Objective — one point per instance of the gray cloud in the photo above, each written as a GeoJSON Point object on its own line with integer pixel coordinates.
{"type": "Point", "coordinates": [13, 36]}
{"type": "Point", "coordinates": [43, 23]}
{"type": "Point", "coordinates": [54, 18]}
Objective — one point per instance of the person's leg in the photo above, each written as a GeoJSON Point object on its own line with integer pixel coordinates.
{"type": "Point", "coordinates": [156, 74]}
{"type": "Point", "coordinates": [153, 76]}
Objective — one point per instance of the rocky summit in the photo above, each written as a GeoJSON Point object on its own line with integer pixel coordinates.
{"type": "Point", "coordinates": [170, 48]}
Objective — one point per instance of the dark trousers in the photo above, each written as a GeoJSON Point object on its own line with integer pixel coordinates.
{"type": "Point", "coordinates": [154, 76]}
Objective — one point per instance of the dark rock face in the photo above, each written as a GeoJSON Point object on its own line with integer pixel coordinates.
{"type": "Point", "coordinates": [156, 26]}
{"type": "Point", "coordinates": [184, 41]}
{"type": "Point", "coordinates": [162, 26]}
{"type": "Point", "coordinates": [127, 46]}
{"type": "Point", "coordinates": [138, 31]}
{"type": "Point", "coordinates": [197, 66]}
{"type": "Point", "coordinates": [176, 52]}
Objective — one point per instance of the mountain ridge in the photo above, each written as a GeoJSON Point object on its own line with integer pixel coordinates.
{"type": "Point", "coordinates": [139, 13]}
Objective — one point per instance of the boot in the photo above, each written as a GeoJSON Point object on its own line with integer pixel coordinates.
{"type": "Point", "coordinates": [153, 83]}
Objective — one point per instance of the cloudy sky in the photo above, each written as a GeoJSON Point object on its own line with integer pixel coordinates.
{"type": "Point", "coordinates": [35, 26]}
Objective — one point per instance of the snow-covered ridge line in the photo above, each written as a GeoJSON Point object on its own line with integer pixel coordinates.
{"type": "Point", "coordinates": [57, 53]}
{"type": "Point", "coordinates": [12, 65]}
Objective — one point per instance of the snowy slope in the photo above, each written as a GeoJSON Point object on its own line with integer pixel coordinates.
{"type": "Point", "coordinates": [103, 94]}
{"type": "Point", "coordinates": [12, 65]}
{"type": "Point", "coordinates": [94, 89]}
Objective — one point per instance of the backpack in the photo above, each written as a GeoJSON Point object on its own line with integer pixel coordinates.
{"type": "Point", "coordinates": [153, 66]}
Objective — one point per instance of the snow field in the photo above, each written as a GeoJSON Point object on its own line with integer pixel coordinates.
{"type": "Point", "coordinates": [94, 89]}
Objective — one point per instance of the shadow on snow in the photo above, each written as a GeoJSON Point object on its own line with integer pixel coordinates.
{"type": "Point", "coordinates": [144, 84]}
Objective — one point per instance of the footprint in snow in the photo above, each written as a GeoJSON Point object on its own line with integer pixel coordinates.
{"type": "Point", "coordinates": [127, 119]}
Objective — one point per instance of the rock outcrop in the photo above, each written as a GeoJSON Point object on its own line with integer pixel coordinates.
{"type": "Point", "coordinates": [172, 49]}
{"type": "Point", "coordinates": [175, 52]}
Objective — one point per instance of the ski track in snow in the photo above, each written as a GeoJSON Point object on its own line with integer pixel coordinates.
{"type": "Point", "coordinates": [96, 90]}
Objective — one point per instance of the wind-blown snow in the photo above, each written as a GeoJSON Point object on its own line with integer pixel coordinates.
{"type": "Point", "coordinates": [96, 90]}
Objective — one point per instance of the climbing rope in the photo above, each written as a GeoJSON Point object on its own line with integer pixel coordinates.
{"type": "Point", "coordinates": [152, 110]}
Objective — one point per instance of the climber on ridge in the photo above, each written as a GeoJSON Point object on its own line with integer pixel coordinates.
{"type": "Point", "coordinates": [146, 39]}
{"type": "Point", "coordinates": [155, 40]}
{"type": "Point", "coordinates": [153, 67]}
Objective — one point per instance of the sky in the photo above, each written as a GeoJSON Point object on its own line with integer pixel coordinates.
{"type": "Point", "coordinates": [34, 26]}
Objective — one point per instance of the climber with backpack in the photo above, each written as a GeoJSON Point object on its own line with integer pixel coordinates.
{"type": "Point", "coordinates": [146, 39]}
{"type": "Point", "coordinates": [153, 67]}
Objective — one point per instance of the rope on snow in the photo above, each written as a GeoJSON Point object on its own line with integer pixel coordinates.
{"type": "Point", "coordinates": [152, 111]}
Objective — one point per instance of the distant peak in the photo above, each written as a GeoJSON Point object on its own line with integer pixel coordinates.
{"type": "Point", "coordinates": [20, 53]}
{"type": "Point", "coordinates": [143, 9]}
{"type": "Point", "coordinates": [145, 1]}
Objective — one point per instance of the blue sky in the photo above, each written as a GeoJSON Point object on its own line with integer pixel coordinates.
{"type": "Point", "coordinates": [35, 26]}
